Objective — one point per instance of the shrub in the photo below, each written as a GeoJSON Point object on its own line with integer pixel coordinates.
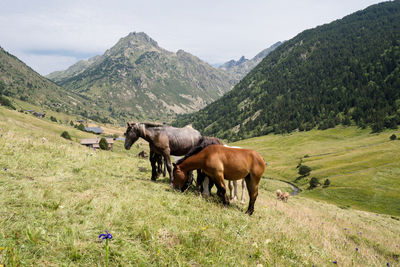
{"type": "Point", "coordinates": [314, 183]}
{"type": "Point", "coordinates": [304, 170]}
{"type": "Point", "coordinates": [103, 144]}
{"type": "Point", "coordinates": [66, 135]}
{"type": "Point", "coordinates": [81, 127]}
{"type": "Point", "coordinates": [4, 101]}
{"type": "Point", "coordinates": [71, 123]}
{"type": "Point", "coordinates": [327, 183]}
{"type": "Point", "coordinates": [53, 119]}
{"type": "Point", "coordinates": [393, 137]}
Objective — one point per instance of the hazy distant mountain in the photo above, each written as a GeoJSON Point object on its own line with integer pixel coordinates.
{"type": "Point", "coordinates": [239, 69]}
{"type": "Point", "coordinates": [345, 72]}
{"type": "Point", "coordinates": [138, 79]}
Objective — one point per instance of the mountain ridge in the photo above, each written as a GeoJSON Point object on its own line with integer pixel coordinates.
{"type": "Point", "coordinates": [142, 80]}
{"type": "Point", "coordinates": [243, 66]}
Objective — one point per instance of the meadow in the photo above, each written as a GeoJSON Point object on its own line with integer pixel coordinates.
{"type": "Point", "coordinates": [57, 197]}
{"type": "Point", "coordinates": [363, 168]}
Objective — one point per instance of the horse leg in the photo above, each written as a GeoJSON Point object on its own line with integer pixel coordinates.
{"type": "Point", "coordinates": [199, 181]}
{"type": "Point", "coordinates": [221, 192]}
{"type": "Point", "coordinates": [235, 194]}
{"type": "Point", "coordinates": [230, 189]}
{"type": "Point", "coordinates": [205, 187]}
{"type": "Point", "coordinates": [163, 165]}
{"type": "Point", "coordinates": [152, 158]}
{"type": "Point", "coordinates": [243, 191]}
{"type": "Point", "coordinates": [167, 162]}
{"type": "Point", "coordinates": [159, 164]}
{"type": "Point", "coordinates": [252, 187]}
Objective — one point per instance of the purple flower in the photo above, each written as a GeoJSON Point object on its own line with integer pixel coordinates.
{"type": "Point", "coordinates": [5, 169]}
{"type": "Point", "coordinates": [345, 229]}
{"type": "Point", "coordinates": [105, 236]}
{"type": "Point", "coordinates": [334, 262]}
{"type": "Point", "coordinates": [387, 264]}
{"type": "Point", "coordinates": [356, 249]}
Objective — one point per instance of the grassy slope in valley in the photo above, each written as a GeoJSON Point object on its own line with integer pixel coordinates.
{"type": "Point", "coordinates": [363, 168]}
{"type": "Point", "coordinates": [57, 197]}
{"type": "Point", "coordinates": [345, 72]}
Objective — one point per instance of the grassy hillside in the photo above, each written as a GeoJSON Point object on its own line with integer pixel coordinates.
{"type": "Point", "coordinates": [363, 168]}
{"type": "Point", "coordinates": [19, 81]}
{"type": "Point", "coordinates": [58, 196]}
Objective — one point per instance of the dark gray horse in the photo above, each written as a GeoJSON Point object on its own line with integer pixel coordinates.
{"type": "Point", "coordinates": [163, 140]}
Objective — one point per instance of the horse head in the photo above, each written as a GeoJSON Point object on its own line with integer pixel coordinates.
{"type": "Point", "coordinates": [180, 178]}
{"type": "Point", "coordinates": [131, 134]}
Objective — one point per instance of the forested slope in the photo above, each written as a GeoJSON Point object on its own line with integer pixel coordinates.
{"type": "Point", "coordinates": [345, 72]}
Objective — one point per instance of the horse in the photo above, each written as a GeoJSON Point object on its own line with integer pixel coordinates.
{"type": "Point", "coordinates": [202, 182]}
{"type": "Point", "coordinates": [224, 163]}
{"type": "Point", "coordinates": [163, 140]}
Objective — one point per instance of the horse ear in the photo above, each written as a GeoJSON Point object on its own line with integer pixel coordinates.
{"type": "Point", "coordinates": [129, 125]}
{"type": "Point", "coordinates": [174, 164]}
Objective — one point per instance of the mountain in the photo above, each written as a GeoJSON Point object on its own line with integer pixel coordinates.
{"type": "Point", "coordinates": [138, 79]}
{"type": "Point", "coordinates": [17, 80]}
{"type": "Point", "coordinates": [345, 72]}
{"type": "Point", "coordinates": [239, 69]}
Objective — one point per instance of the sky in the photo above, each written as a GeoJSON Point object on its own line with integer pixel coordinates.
{"type": "Point", "coordinates": [51, 35]}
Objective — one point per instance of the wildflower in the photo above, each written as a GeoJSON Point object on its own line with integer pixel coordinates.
{"type": "Point", "coordinates": [345, 229]}
{"type": "Point", "coordinates": [105, 236]}
{"type": "Point", "coordinates": [387, 264]}
{"type": "Point", "coordinates": [334, 262]}
{"type": "Point", "coordinates": [356, 249]}
{"type": "Point", "coordinates": [5, 169]}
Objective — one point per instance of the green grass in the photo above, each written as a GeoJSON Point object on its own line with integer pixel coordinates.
{"type": "Point", "coordinates": [363, 168]}
{"type": "Point", "coordinates": [58, 196]}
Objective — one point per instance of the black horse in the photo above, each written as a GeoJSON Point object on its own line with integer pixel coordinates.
{"type": "Point", "coordinates": [163, 140]}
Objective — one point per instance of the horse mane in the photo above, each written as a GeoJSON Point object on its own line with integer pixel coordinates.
{"type": "Point", "coordinates": [204, 142]}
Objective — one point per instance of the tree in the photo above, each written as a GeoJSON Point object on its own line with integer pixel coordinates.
{"type": "Point", "coordinates": [66, 135]}
{"type": "Point", "coordinates": [393, 137]}
{"type": "Point", "coordinates": [304, 170]}
{"type": "Point", "coordinates": [103, 144]}
{"type": "Point", "coordinates": [314, 183]}
{"type": "Point", "coordinates": [327, 183]}
{"type": "Point", "coordinates": [53, 119]}
{"type": "Point", "coordinates": [81, 127]}
{"type": "Point", "coordinates": [4, 101]}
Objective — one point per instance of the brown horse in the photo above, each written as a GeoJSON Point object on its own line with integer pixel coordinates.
{"type": "Point", "coordinates": [219, 163]}
{"type": "Point", "coordinates": [163, 140]}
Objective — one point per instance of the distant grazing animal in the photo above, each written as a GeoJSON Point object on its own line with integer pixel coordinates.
{"type": "Point", "coordinates": [163, 140]}
{"type": "Point", "coordinates": [285, 196]}
{"type": "Point", "coordinates": [221, 163]}
{"type": "Point", "coordinates": [282, 196]}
